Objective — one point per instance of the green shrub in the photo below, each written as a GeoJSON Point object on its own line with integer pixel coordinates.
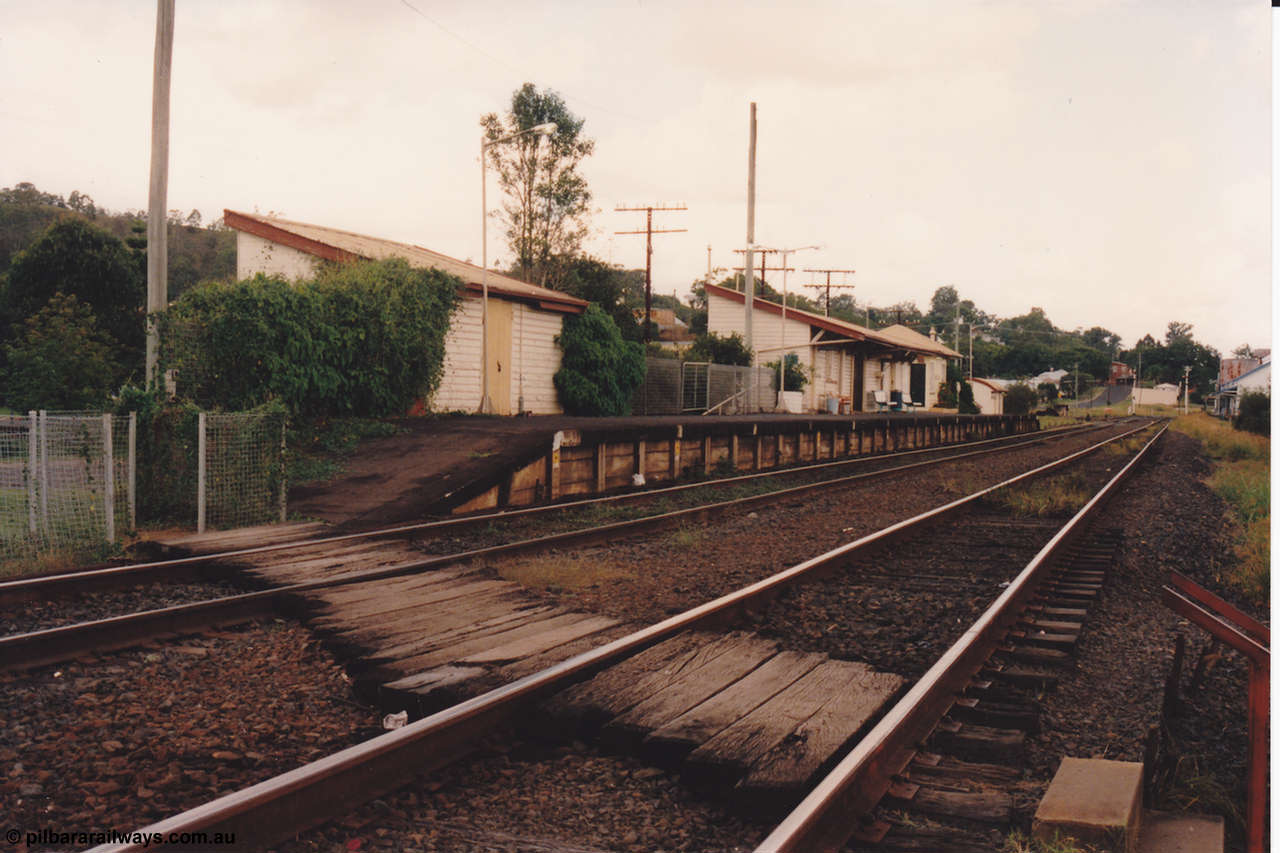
{"type": "Point", "coordinates": [599, 369]}
{"type": "Point", "coordinates": [947, 395]}
{"type": "Point", "coordinates": [966, 404]}
{"type": "Point", "coordinates": [1255, 413]}
{"type": "Point", "coordinates": [1020, 399]}
{"type": "Point", "coordinates": [795, 376]}
{"type": "Point", "coordinates": [60, 360]}
{"type": "Point", "coordinates": [719, 350]}
{"type": "Point", "coordinates": [360, 339]}
{"type": "Point", "coordinates": [167, 448]}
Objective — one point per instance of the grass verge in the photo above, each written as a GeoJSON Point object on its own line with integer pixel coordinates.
{"type": "Point", "coordinates": [1241, 477]}
{"type": "Point", "coordinates": [560, 572]}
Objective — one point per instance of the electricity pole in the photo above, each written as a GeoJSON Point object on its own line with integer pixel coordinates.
{"type": "Point", "coordinates": [648, 233]}
{"type": "Point", "coordinates": [1186, 387]}
{"type": "Point", "coordinates": [826, 307]}
{"type": "Point", "coordinates": [157, 215]}
{"type": "Point", "coordinates": [749, 288]}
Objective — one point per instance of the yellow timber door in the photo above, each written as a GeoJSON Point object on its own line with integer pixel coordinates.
{"type": "Point", "coordinates": [500, 355]}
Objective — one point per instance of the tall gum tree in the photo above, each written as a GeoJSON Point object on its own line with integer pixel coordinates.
{"type": "Point", "coordinates": [547, 199]}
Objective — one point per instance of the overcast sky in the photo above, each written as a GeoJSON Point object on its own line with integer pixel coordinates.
{"type": "Point", "coordinates": [1107, 161]}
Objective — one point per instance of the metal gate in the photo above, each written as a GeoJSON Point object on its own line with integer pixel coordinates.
{"type": "Point", "coordinates": [695, 386]}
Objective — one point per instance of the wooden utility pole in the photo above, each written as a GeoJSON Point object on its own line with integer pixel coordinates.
{"type": "Point", "coordinates": [826, 306]}
{"type": "Point", "coordinates": [764, 261]}
{"type": "Point", "coordinates": [749, 290]}
{"type": "Point", "coordinates": [648, 233]}
{"type": "Point", "coordinates": [157, 214]}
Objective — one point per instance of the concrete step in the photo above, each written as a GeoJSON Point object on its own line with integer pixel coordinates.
{"type": "Point", "coordinates": [1093, 801]}
{"type": "Point", "coordinates": [1099, 803]}
{"type": "Point", "coordinates": [1165, 832]}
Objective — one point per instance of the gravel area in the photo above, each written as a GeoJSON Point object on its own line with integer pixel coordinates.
{"type": "Point", "coordinates": [901, 607]}
{"type": "Point", "coordinates": [528, 797]}
{"type": "Point", "coordinates": [42, 615]}
{"type": "Point", "coordinates": [121, 741]}
{"type": "Point", "coordinates": [1107, 705]}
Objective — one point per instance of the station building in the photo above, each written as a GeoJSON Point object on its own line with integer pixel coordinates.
{"type": "Point", "coordinates": [861, 369]}
{"type": "Point", "coordinates": [524, 319]}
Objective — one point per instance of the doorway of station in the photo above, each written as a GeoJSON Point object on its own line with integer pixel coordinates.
{"type": "Point", "coordinates": [917, 384]}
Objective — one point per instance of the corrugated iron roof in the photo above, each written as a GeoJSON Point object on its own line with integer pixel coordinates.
{"type": "Point", "coordinates": [911, 339]}
{"type": "Point", "coordinates": [990, 384]}
{"type": "Point", "coordinates": [336, 245]}
{"type": "Point", "coordinates": [830, 324]}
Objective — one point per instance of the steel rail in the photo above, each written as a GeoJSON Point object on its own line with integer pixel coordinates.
{"type": "Point", "coordinates": [828, 816]}
{"type": "Point", "coordinates": [286, 805]}
{"type": "Point", "coordinates": [39, 648]}
{"type": "Point", "coordinates": [178, 568]}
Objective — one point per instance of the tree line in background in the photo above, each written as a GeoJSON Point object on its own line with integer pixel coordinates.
{"type": "Point", "coordinates": [1014, 347]}
{"type": "Point", "coordinates": [73, 293]}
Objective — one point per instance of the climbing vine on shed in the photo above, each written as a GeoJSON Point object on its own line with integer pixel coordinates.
{"type": "Point", "coordinates": [359, 339]}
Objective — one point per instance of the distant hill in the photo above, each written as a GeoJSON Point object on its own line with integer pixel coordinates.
{"type": "Point", "coordinates": [196, 252]}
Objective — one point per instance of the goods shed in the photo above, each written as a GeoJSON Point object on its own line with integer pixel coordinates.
{"type": "Point", "coordinates": [523, 318]}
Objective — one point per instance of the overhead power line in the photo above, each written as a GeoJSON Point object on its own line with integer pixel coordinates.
{"type": "Point", "coordinates": [826, 301]}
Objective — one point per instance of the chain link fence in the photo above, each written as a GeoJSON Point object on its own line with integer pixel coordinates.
{"type": "Point", "coordinates": [671, 388]}
{"type": "Point", "coordinates": [67, 480]}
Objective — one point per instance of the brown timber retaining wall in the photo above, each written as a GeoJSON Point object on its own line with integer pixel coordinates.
{"type": "Point", "coordinates": [582, 463]}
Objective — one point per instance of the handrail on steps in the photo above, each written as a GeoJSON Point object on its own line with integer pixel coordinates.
{"type": "Point", "coordinates": [1252, 639]}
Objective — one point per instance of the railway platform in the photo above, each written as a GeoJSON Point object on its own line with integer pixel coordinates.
{"type": "Point", "coordinates": [466, 463]}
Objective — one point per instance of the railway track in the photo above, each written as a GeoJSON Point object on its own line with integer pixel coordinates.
{"type": "Point", "coordinates": [286, 573]}
{"type": "Point", "coordinates": [297, 541]}
{"type": "Point", "coordinates": [333, 785]}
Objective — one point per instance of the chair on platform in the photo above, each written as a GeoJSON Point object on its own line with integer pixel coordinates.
{"type": "Point", "coordinates": [877, 399]}
{"type": "Point", "coordinates": [895, 401]}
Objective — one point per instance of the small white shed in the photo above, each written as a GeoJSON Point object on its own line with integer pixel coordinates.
{"type": "Point", "coordinates": [988, 396]}
{"type": "Point", "coordinates": [523, 318]}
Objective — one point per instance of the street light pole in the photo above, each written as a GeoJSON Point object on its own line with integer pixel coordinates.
{"type": "Point", "coordinates": [486, 403]}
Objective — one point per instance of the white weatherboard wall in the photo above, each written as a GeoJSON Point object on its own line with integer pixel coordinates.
{"type": "Point", "coordinates": [255, 255]}
{"type": "Point", "coordinates": [989, 402]}
{"type": "Point", "coordinates": [535, 357]}
{"type": "Point", "coordinates": [460, 384]}
{"type": "Point", "coordinates": [725, 317]}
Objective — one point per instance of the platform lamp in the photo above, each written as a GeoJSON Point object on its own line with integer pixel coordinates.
{"type": "Point", "coordinates": [486, 403]}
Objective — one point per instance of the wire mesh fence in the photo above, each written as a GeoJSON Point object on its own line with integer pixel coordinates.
{"type": "Point", "coordinates": [66, 481]}
{"type": "Point", "coordinates": [241, 477]}
{"type": "Point", "coordinates": [671, 388]}
{"type": "Point", "coordinates": [659, 393]}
